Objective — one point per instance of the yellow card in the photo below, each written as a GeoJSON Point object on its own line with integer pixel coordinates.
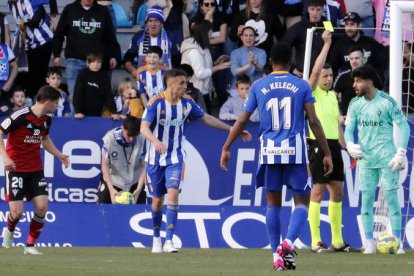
{"type": "Point", "coordinates": [328, 26]}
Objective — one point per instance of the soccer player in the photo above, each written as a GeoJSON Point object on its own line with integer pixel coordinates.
{"type": "Point", "coordinates": [327, 110]}
{"type": "Point", "coordinates": [373, 113]}
{"type": "Point", "coordinates": [163, 127]}
{"type": "Point", "coordinates": [27, 129]}
{"type": "Point", "coordinates": [282, 99]}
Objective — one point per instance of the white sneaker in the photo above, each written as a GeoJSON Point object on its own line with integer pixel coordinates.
{"type": "Point", "coordinates": [169, 247]}
{"type": "Point", "coordinates": [31, 250]}
{"type": "Point", "coordinates": [156, 245]}
{"type": "Point", "coordinates": [8, 237]}
{"type": "Point", "coordinates": [370, 247]}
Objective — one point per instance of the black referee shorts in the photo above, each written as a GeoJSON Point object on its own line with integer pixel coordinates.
{"type": "Point", "coordinates": [316, 162]}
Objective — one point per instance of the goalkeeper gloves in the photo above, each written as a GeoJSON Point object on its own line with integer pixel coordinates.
{"type": "Point", "coordinates": [399, 161]}
{"type": "Point", "coordinates": [354, 150]}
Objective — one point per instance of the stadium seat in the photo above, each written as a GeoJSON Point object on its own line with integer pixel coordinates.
{"type": "Point", "coordinates": [122, 19]}
{"type": "Point", "coordinates": [141, 14]}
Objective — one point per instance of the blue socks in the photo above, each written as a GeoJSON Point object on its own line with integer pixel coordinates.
{"type": "Point", "coordinates": [297, 220]}
{"type": "Point", "coordinates": [156, 222]}
{"type": "Point", "coordinates": [172, 213]}
{"type": "Point", "coordinates": [273, 225]}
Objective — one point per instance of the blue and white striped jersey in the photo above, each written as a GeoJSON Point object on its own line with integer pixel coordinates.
{"type": "Point", "coordinates": [280, 98]}
{"type": "Point", "coordinates": [167, 124]}
{"type": "Point", "coordinates": [23, 10]}
{"type": "Point", "coordinates": [151, 84]}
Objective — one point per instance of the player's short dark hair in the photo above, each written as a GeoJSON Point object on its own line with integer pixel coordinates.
{"type": "Point", "coordinates": [368, 72]}
{"type": "Point", "coordinates": [243, 79]}
{"type": "Point", "coordinates": [47, 93]}
{"type": "Point", "coordinates": [316, 3]}
{"type": "Point", "coordinates": [53, 71]}
{"type": "Point", "coordinates": [132, 125]}
{"type": "Point", "coordinates": [155, 50]}
{"type": "Point", "coordinates": [355, 49]}
{"type": "Point", "coordinates": [281, 54]}
{"type": "Point", "coordinates": [172, 73]}
{"type": "Point", "coordinates": [16, 89]}
{"type": "Point", "coordinates": [187, 69]}
{"type": "Point", "coordinates": [94, 56]}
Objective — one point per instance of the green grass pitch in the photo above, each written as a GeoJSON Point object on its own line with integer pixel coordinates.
{"type": "Point", "coordinates": [133, 261]}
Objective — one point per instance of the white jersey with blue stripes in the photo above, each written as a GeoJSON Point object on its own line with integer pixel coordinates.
{"type": "Point", "coordinates": [23, 10]}
{"type": "Point", "coordinates": [149, 83]}
{"type": "Point", "coordinates": [280, 98]}
{"type": "Point", "coordinates": [167, 124]}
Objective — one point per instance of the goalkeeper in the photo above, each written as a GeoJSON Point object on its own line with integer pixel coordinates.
{"type": "Point", "coordinates": [373, 113]}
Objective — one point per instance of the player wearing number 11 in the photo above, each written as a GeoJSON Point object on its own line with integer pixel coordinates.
{"type": "Point", "coordinates": [282, 100]}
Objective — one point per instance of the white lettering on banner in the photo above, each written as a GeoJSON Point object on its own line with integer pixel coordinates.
{"type": "Point", "coordinates": [72, 194]}
{"type": "Point", "coordinates": [45, 244]}
{"type": "Point", "coordinates": [199, 224]}
{"type": "Point", "coordinates": [93, 159]}
{"type": "Point", "coordinates": [242, 179]}
{"type": "Point", "coordinates": [27, 216]}
{"type": "Point", "coordinates": [230, 221]}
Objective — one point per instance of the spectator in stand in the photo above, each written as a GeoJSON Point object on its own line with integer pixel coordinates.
{"type": "Point", "coordinates": [153, 35]}
{"type": "Point", "coordinates": [247, 59]}
{"type": "Point", "coordinates": [257, 10]}
{"type": "Point", "coordinates": [177, 27]}
{"type": "Point", "coordinates": [88, 28]}
{"type": "Point", "coordinates": [123, 172]}
{"type": "Point", "coordinates": [365, 10]}
{"type": "Point", "coordinates": [207, 10]}
{"type": "Point", "coordinates": [374, 52]}
{"type": "Point", "coordinates": [8, 70]}
{"type": "Point", "coordinates": [344, 84]}
{"type": "Point", "coordinates": [289, 11]}
{"type": "Point", "coordinates": [93, 90]}
{"type": "Point", "coordinates": [54, 79]}
{"type": "Point", "coordinates": [232, 108]}
{"type": "Point", "coordinates": [17, 100]}
{"type": "Point", "coordinates": [332, 11]}
{"type": "Point", "coordinates": [196, 52]}
{"type": "Point", "coordinates": [191, 90]}
{"type": "Point", "coordinates": [150, 80]}
{"type": "Point", "coordinates": [4, 30]}
{"type": "Point", "coordinates": [127, 102]}
{"type": "Point", "coordinates": [36, 25]}
{"type": "Point", "coordinates": [296, 35]}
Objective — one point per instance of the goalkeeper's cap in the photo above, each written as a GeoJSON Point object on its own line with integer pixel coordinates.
{"type": "Point", "coordinates": [368, 72]}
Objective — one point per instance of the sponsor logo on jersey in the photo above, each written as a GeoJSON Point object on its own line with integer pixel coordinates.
{"type": "Point", "coordinates": [6, 123]}
{"type": "Point", "coordinates": [174, 123]}
{"type": "Point", "coordinates": [31, 139]}
{"type": "Point", "coordinates": [371, 123]}
{"type": "Point", "coordinates": [278, 151]}
{"type": "Point", "coordinates": [36, 132]}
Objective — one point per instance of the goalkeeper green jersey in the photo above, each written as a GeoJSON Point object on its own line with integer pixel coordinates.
{"type": "Point", "coordinates": [374, 121]}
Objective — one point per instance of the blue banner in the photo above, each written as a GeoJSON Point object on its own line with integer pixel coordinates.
{"type": "Point", "coordinates": [204, 182]}
{"type": "Point", "coordinates": [197, 227]}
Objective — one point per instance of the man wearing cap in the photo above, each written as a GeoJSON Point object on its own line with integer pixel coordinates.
{"type": "Point", "coordinates": [88, 28]}
{"type": "Point", "coordinates": [153, 35]}
{"type": "Point", "coordinates": [374, 53]}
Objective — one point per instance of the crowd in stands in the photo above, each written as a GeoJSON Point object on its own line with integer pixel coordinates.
{"type": "Point", "coordinates": [223, 45]}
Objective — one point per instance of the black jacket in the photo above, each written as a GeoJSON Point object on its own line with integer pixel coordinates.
{"type": "Point", "coordinates": [86, 31]}
{"type": "Point", "coordinates": [92, 92]}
